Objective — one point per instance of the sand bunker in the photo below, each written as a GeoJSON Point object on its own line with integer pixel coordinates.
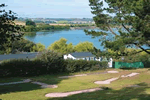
{"type": "Point", "coordinates": [106, 81]}
{"type": "Point", "coordinates": [112, 72]}
{"type": "Point", "coordinates": [43, 85]}
{"type": "Point", "coordinates": [73, 76]}
{"type": "Point", "coordinates": [71, 93]}
{"type": "Point", "coordinates": [130, 75]}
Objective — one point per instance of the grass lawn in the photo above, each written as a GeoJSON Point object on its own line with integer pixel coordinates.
{"type": "Point", "coordinates": [118, 89]}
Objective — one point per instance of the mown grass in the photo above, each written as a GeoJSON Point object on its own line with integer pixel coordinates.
{"type": "Point", "coordinates": [118, 89]}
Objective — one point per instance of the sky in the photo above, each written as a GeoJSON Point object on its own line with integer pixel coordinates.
{"type": "Point", "coordinates": [49, 8]}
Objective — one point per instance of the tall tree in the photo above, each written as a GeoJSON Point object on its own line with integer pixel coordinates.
{"type": "Point", "coordinates": [131, 24]}
{"type": "Point", "coordinates": [84, 47]}
{"type": "Point", "coordinates": [30, 22]}
{"type": "Point", "coordinates": [38, 47]}
{"type": "Point", "coordinates": [9, 32]}
{"type": "Point", "coordinates": [61, 46]}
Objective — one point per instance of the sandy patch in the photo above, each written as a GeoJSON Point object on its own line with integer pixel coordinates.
{"type": "Point", "coordinates": [130, 75]}
{"type": "Point", "coordinates": [49, 86]}
{"type": "Point", "coordinates": [112, 72]}
{"type": "Point", "coordinates": [106, 81]}
{"type": "Point", "coordinates": [71, 93]}
{"type": "Point", "coordinates": [73, 76]}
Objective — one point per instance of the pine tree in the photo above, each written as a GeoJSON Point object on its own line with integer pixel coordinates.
{"type": "Point", "coordinates": [131, 19]}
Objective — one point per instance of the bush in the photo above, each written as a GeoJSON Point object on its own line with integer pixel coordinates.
{"type": "Point", "coordinates": [21, 67]}
{"type": "Point", "coordinates": [83, 65]}
{"type": "Point", "coordinates": [53, 61]}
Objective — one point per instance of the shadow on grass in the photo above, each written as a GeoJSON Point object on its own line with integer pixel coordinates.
{"type": "Point", "coordinates": [18, 88]}
{"type": "Point", "coordinates": [128, 93]}
{"type": "Point", "coordinates": [48, 79]}
{"type": "Point", "coordinates": [129, 68]}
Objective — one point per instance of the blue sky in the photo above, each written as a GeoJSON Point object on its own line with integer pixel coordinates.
{"type": "Point", "coordinates": [49, 8]}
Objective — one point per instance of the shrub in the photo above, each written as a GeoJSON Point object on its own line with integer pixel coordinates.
{"type": "Point", "coordinates": [21, 67]}
{"type": "Point", "coordinates": [53, 61]}
{"type": "Point", "coordinates": [83, 65]}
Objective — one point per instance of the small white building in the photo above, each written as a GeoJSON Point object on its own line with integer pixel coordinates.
{"type": "Point", "coordinates": [81, 55]}
{"type": "Point", "coordinates": [86, 56]}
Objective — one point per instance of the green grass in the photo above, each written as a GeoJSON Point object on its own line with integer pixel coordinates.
{"type": "Point", "coordinates": [12, 79]}
{"type": "Point", "coordinates": [118, 89]}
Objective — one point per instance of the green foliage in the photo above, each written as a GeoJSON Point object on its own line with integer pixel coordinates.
{"type": "Point", "coordinates": [83, 65]}
{"type": "Point", "coordinates": [61, 46]}
{"type": "Point", "coordinates": [131, 19]}
{"type": "Point", "coordinates": [30, 22]}
{"type": "Point", "coordinates": [47, 63]}
{"type": "Point", "coordinates": [9, 32]}
{"type": "Point", "coordinates": [48, 27]}
{"type": "Point", "coordinates": [140, 57]}
{"type": "Point", "coordinates": [84, 46]}
{"type": "Point", "coordinates": [23, 45]}
{"type": "Point", "coordinates": [63, 22]}
{"type": "Point", "coordinates": [39, 47]}
{"type": "Point", "coordinates": [22, 67]}
{"type": "Point", "coordinates": [53, 61]}
{"type": "Point", "coordinates": [30, 28]}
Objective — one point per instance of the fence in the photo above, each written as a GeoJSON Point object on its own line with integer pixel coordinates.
{"type": "Point", "coordinates": [128, 65]}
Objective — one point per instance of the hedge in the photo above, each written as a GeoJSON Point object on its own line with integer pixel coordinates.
{"type": "Point", "coordinates": [48, 63]}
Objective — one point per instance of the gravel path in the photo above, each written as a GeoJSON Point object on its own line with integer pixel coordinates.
{"type": "Point", "coordinates": [112, 72]}
{"type": "Point", "coordinates": [130, 75]}
{"type": "Point", "coordinates": [106, 81]}
{"type": "Point", "coordinates": [71, 93]}
{"type": "Point", "coordinates": [72, 76]}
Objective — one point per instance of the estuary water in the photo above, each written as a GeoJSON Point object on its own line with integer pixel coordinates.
{"type": "Point", "coordinates": [72, 36]}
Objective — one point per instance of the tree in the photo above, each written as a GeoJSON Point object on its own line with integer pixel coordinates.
{"type": "Point", "coordinates": [30, 22]}
{"type": "Point", "coordinates": [131, 19]}
{"type": "Point", "coordinates": [23, 45]}
{"type": "Point", "coordinates": [38, 47]}
{"type": "Point", "coordinates": [61, 46]}
{"type": "Point", "coordinates": [9, 32]}
{"type": "Point", "coordinates": [84, 47]}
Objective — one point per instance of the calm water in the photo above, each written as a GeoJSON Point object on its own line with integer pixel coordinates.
{"type": "Point", "coordinates": [72, 36]}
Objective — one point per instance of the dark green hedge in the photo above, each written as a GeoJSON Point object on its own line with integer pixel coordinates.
{"type": "Point", "coordinates": [83, 65]}
{"type": "Point", "coordinates": [48, 63]}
